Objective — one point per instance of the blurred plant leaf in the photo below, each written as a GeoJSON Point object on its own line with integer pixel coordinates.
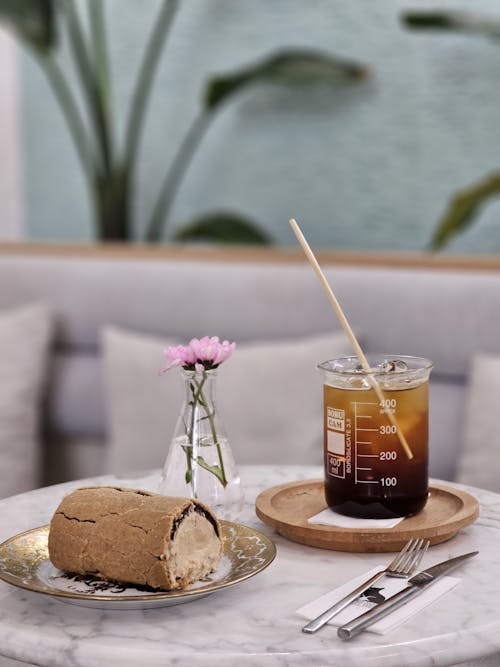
{"type": "Point", "coordinates": [223, 227]}
{"type": "Point", "coordinates": [33, 20]}
{"type": "Point", "coordinates": [463, 208]}
{"type": "Point", "coordinates": [453, 21]}
{"type": "Point", "coordinates": [294, 66]}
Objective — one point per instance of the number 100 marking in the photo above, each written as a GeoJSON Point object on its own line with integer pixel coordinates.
{"type": "Point", "coordinates": [389, 481]}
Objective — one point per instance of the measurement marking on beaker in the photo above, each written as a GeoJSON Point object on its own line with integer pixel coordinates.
{"type": "Point", "coordinates": [363, 469]}
{"type": "Point", "coordinates": [355, 442]}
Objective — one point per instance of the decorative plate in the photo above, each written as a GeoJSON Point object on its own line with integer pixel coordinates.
{"type": "Point", "coordinates": [24, 562]}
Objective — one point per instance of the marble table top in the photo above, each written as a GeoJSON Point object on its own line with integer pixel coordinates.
{"type": "Point", "coordinates": [254, 622]}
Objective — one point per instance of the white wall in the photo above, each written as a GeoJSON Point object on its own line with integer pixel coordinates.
{"type": "Point", "coordinates": [369, 165]}
{"type": "Point", "coordinates": [10, 197]}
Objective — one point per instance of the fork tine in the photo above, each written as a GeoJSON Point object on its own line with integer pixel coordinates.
{"type": "Point", "coordinates": [409, 556]}
{"type": "Point", "coordinates": [402, 555]}
{"type": "Point", "coordinates": [422, 552]}
{"type": "Point", "coordinates": [414, 558]}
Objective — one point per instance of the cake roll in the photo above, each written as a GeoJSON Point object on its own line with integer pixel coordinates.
{"type": "Point", "coordinates": [134, 536]}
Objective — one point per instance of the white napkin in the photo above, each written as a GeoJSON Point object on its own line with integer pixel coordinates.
{"type": "Point", "coordinates": [387, 586]}
{"type": "Point", "coordinates": [330, 518]}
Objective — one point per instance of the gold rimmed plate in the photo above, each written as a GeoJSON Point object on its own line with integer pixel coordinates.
{"type": "Point", "coordinates": [24, 562]}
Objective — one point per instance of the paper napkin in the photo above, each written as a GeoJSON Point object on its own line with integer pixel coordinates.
{"type": "Point", "coordinates": [330, 518]}
{"type": "Point", "coordinates": [382, 589]}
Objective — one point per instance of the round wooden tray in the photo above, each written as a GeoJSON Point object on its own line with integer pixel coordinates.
{"type": "Point", "coordinates": [288, 506]}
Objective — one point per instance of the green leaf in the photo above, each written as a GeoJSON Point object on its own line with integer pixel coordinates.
{"type": "Point", "coordinates": [223, 227]}
{"type": "Point", "coordinates": [453, 21]}
{"type": "Point", "coordinates": [215, 469]}
{"type": "Point", "coordinates": [33, 20]}
{"type": "Point", "coordinates": [463, 208]}
{"type": "Point", "coordinates": [295, 67]}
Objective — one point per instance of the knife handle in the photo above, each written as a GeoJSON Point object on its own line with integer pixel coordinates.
{"type": "Point", "coordinates": [354, 627]}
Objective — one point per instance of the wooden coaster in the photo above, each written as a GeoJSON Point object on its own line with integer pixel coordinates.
{"type": "Point", "coordinates": [288, 506]}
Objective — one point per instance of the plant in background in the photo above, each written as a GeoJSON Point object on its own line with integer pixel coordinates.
{"type": "Point", "coordinates": [110, 165]}
{"type": "Point", "coordinates": [466, 203]}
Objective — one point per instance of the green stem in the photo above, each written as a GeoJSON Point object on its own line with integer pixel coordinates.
{"type": "Point", "coordinates": [189, 470]}
{"type": "Point", "coordinates": [68, 106]}
{"type": "Point", "coordinates": [174, 175]}
{"type": "Point", "coordinates": [112, 205]}
{"type": "Point", "coordinates": [101, 59]}
{"type": "Point", "coordinates": [191, 455]}
{"type": "Point", "coordinates": [210, 415]}
{"type": "Point", "coordinates": [145, 79]}
{"type": "Point", "coordinates": [85, 71]}
{"type": "Point", "coordinates": [196, 396]}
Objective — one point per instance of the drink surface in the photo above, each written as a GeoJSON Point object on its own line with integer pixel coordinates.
{"type": "Point", "coordinates": [367, 471]}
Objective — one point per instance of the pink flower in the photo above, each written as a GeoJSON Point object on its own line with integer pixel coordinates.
{"type": "Point", "coordinates": [225, 350]}
{"type": "Point", "coordinates": [205, 348]}
{"type": "Point", "coordinates": [201, 354]}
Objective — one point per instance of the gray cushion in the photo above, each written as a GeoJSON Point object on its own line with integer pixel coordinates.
{"type": "Point", "coordinates": [24, 339]}
{"type": "Point", "coordinates": [446, 424]}
{"type": "Point", "coordinates": [480, 464]}
{"type": "Point", "coordinates": [75, 396]}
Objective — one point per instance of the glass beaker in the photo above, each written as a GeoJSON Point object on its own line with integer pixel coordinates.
{"type": "Point", "coordinates": [200, 462]}
{"type": "Point", "coordinates": [368, 471]}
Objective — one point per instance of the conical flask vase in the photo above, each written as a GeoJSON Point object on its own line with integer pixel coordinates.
{"type": "Point", "coordinates": [200, 463]}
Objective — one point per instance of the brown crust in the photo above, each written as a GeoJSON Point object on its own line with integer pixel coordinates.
{"type": "Point", "coordinates": [120, 534]}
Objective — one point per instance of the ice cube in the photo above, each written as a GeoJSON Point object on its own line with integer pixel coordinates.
{"type": "Point", "coordinates": [358, 382]}
{"type": "Point", "coordinates": [393, 366]}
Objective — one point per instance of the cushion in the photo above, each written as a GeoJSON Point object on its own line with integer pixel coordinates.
{"type": "Point", "coordinates": [480, 462]}
{"type": "Point", "coordinates": [269, 397]}
{"type": "Point", "coordinates": [446, 427]}
{"type": "Point", "coordinates": [24, 338]}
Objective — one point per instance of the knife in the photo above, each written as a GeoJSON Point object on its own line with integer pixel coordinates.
{"type": "Point", "coordinates": [415, 586]}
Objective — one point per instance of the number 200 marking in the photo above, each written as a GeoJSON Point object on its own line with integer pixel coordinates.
{"type": "Point", "coordinates": [388, 456]}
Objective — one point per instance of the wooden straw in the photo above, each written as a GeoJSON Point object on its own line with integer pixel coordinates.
{"type": "Point", "coordinates": [347, 328]}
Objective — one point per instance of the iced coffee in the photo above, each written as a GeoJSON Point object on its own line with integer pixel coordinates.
{"type": "Point", "coordinates": [376, 441]}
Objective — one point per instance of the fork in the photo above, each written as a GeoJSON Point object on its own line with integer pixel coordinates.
{"type": "Point", "coordinates": [403, 565]}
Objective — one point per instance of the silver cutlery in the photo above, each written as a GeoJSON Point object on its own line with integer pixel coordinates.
{"type": "Point", "coordinates": [415, 586]}
{"type": "Point", "coordinates": [403, 565]}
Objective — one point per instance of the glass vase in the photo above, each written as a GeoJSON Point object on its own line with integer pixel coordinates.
{"type": "Point", "coordinates": [200, 463]}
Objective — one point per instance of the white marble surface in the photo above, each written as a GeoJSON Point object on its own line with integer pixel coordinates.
{"type": "Point", "coordinates": [253, 623]}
